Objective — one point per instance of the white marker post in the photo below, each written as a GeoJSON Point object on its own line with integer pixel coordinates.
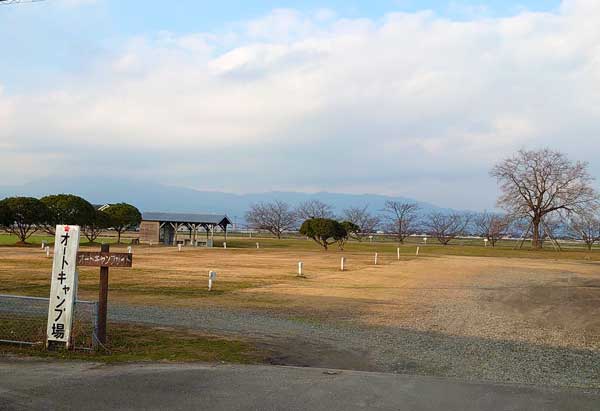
{"type": "Point", "coordinates": [485, 241]}
{"type": "Point", "coordinates": [47, 252]}
{"type": "Point", "coordinates": [129, 250]}
{"type": "Point", "coordinates": [224, 244]}
{"type": "Point", "coordinates": [300, 272]}
{"type": "Point", "coordinates": [212, 276]}
{"type": "Point", "coordinates": [398, 253]}
{"type": "Point", "coordinates": [43, 245]}
{"type": "Point", "coordinates": [63, 289]}
{"type": "Point", "coordinates": [418, 250]}
{"type": "Point", "coordinates": [257, 245]}
{"type": "Point", "coordinates": [425, 240]}
{"type": "Point", "coordinates": [178, 247]}
{"type": "Point", "coordinates": [376, 255]}
{"type": "Point", "coordinates": [343, 264]}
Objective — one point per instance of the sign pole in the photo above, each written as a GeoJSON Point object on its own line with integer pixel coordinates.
{"type": "Point", "coordinates": [103, 299]}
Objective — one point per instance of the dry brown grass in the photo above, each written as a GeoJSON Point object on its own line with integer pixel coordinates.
{"type": "Point", "coordinates": [539, 301]}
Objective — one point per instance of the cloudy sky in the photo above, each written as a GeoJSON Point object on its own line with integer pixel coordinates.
{"type": "Point", "coordinates": [411, 98]}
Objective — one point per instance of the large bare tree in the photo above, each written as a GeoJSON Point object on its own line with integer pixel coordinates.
{"type": "Point", "coordinates": [360, 216]}
{"type": "Point", "coordinates": [401, 218]}
{"type": "Point", "coordinates": [537, 183]}
{"type": "Point", "coordinates": [492, 226]}
{"type": "Point", "coordinates": [445, 227]}
{"type": "Point", "coordinates": [313, 209]}
{"type": "Point", "coordinates": [275, 217]}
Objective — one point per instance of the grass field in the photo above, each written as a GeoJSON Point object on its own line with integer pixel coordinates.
{"type": "Point", "coordinates": [395, 290]}
{"type": "Point", "coordinates": [140, 343]}
{"type": "Point", "coordinates": [468, 293]}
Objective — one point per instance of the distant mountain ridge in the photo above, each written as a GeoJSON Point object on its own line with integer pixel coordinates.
{"type": "Point", "coordinates": [149, 196]}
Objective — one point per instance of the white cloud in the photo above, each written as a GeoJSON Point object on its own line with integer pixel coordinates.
{"type": "Point", "coordinates": [410, 96]}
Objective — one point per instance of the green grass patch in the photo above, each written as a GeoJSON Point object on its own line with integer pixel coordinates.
{"type": "Point", "coordinates": [134, 343]}
{"type": "Point", "coordinates": [459, 247]}
{"type": "Point", "coordinates": [37, 239]}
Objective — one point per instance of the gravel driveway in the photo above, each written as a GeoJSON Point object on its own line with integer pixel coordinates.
{"type": "Point", "coordinates": [388, 349]}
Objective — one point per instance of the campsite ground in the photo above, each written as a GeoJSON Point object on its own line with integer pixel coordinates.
{"type": "Point", "coordinates": [482, 314]}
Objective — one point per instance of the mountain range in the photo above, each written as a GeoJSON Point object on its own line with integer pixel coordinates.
{"type": "Point", "coordinates": [151, 196]}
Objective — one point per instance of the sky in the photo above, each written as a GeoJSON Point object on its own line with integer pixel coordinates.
{"type": "Point", "coordinates": [410, 98]}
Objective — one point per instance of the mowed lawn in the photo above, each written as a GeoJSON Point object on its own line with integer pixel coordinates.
{"type": "Point", "coordinates": [538, 297]}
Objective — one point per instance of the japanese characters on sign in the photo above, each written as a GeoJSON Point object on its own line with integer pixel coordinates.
{"type": "Point", "coordinates": [91, 259]}
{"type": "Point", "coordinates": [63, 289]}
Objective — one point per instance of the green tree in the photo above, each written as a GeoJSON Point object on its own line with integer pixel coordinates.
{"type": "Point", "coordinates": [123, 216]}
{"type": "Point", "coordinates": [323, 231]}
{"type": "Point", "coordinates": [6, 217]}
{"type": "Point", "coordinates": [67, 209]}
{"type": "Point", "coordinates": [26, 213]}
{"type": "Point", "coordinates": [100, 221]}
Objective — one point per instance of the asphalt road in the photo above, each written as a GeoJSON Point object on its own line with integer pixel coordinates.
{"type": "Point", "coordinates": [42, 385]}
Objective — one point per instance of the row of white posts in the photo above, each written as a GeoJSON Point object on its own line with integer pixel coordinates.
{"type": "Point", "coordinates": [343, 262]}
{"type": "Point", "coordinates": [180, 246]}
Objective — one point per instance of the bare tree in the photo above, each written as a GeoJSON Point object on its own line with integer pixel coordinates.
{"type": "Point", "coordinates": [275, 217]}
{"type": "Point", "coordinates": [313, 209]}
{"type": "Point", "coordinates": [401, 218]}
{"type": "Point", "coordinates": [446, 227]}
{"type": "Point", "coordinates": [492, 226]}
{"type": "Point", "coordinates": [586, 226]}
{"type": "Point", "coordinates": [537, 183]}
{"type": "Point", "coordinates": [360, 216]}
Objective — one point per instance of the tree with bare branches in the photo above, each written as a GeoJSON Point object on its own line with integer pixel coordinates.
{"type": "Point", "coordinates": [313, 209]}
{"type": "Point", "coordinates": [445, 227]}
{"type": "Point", "coordinates": [537, 183]}
{"type": "Point", "coordinates": [401, 218]}
{"type": "Point", "coordinates": [492, 226]}
{"type": "Point", "coordinates": [586, 226]}
{"type": "Point", "coordinates": [275, 217]}
{"type": "Point", "coordinates": [361, 217]}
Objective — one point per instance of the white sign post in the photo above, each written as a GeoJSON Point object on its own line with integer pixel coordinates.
{"type": "Point", "coordinates": [212, 276]}
{"type": "Point", "coordinates": [376, 255]}
{"type": "Point", "coordinates": [343, 263]}
{"type": "Point", "coordinates": [63, 289]}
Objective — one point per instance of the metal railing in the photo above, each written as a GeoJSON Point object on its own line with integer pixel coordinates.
{"type": "Point", "coordinates": [23, 321]}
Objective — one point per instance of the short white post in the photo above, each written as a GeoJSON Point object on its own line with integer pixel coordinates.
{"type": "Point", "coordinates": [300, 265]}
{"type": "Point", "coordinates": [257, 245]}
{"type": "Point", "coordinates": [43, 245]}
{"type": "Point", "coordinates": [129, 250]}
{"type": "Point", "coordinates": [47, 252]}
{"type": "Point", "coordinates": [376, 255]}
{"type": "Point", "coordinates": [343, 263]}
{"type": "Point", "coordinates": [212, 276]}
{"type": "Point", "coordinates": [425, 240]}
{"type": "Point", "coordinates": [418, 250]}
{"type": "Point", "coordinates": [398, 253]}
{"type": "Point", "coordinates": [150, 243]}
{"type": "Point", "coordinates": [485, 242]}
{"type": "Point", "coordinates": [224, 244]}
{"type": "Point", "coordinates": [179, 247]}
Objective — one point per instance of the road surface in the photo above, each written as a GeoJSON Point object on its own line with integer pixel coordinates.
{"type": "Point", "coordinates": [54, 385]}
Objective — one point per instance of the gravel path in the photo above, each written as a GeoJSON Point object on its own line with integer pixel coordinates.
{"type": "Point", "coordinates": [388, 349]}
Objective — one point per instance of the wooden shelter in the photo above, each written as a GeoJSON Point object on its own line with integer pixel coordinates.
{"type": "Point", "coordinates": [169, 228]}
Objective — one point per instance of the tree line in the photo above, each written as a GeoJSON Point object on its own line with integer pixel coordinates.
{"type": "Point", "coordinates": [543, 195]}
{"type": "Point", "coordinates": [23, 216]}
